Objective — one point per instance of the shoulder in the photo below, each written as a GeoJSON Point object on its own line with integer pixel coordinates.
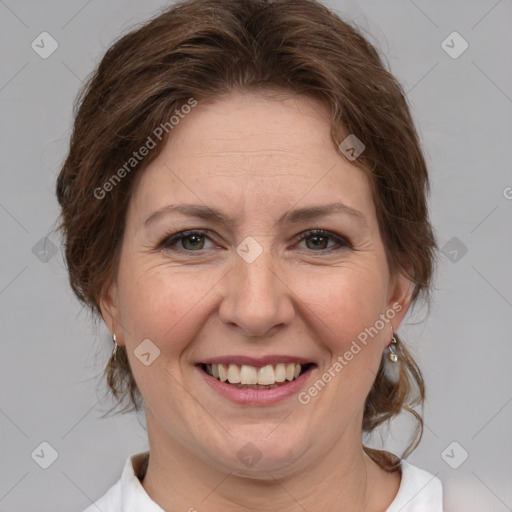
{"type": "Point", "coordinates": [419, 491]}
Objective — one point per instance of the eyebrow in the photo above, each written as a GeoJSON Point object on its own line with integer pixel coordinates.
{"type": "Point", "coordinates": [291, 217]}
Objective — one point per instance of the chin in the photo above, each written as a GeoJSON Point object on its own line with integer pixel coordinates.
{"type": "Point", "coordinates": [255, 456]}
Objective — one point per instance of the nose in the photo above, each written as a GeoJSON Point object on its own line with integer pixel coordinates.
{"type": "Point", "coordinates": [257, 300]}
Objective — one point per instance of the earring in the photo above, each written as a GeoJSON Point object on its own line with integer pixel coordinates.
{"type": "Point", "coordinates": [114, 352]}
{"type": "Point", "coordinates": [391, 364]}
{"type": "Point", "coordinates": [392, 355]}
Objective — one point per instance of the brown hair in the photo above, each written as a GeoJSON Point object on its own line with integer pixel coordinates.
{"type": "Point", "coordinates": [204, 49]}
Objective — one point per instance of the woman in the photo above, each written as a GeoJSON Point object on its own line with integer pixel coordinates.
{"type": "Point", "coordinates": [244, 204]}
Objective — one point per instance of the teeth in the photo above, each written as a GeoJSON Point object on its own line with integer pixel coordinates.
{"type": "Point", "coordinates": [280, 372]}
{"type": "Point", "coordinates": [290, 371]}
{"type": "Point", "coordinates": [250, 375]}
{"type": "Point", "coordinates": [233, 374]}
{"type": "Point", "coordinates": [223, 374]}
{"type": "Point", "coordinates": [266, 375]}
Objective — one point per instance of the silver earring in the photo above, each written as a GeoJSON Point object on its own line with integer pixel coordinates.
{"type": "Point", "coordinates": [391, 364]}
{"type": "Point", "coordinates": [392, 355]}
{"type": "Point", "coordinates": [114, 352]}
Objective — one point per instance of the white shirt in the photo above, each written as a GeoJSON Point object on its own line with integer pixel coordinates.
{"type": "Point", "coordinates": [419, 491]}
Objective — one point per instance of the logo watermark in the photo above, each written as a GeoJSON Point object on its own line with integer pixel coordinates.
{"type": "Point", "coordinates": [144, 150]}
{"type": "Point", "coordinates": [304, 397]}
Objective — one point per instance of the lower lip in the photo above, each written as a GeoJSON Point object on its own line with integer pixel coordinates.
{"type": "Point", "coordinates": [257, 396]}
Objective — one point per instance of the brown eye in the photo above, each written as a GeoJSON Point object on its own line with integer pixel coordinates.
{"type": "Point", "coordinates": [193, 242]}
{"type": "Point", "coordinates": [190, 241]}
{"type": "Point", "coordinates": [319, 241]}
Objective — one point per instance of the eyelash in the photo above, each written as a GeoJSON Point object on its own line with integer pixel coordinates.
{"type": "Point", "coordinates": [169, 241]}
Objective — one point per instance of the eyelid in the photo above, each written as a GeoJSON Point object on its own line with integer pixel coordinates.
{"type": "Point", "coordinates": [342, 242]}
{"type": "Point", "coordinates": [180, 235]}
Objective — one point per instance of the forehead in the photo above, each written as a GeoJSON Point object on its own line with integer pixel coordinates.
{"type": "Point", "coordinates": [251, 128]}
{"type": "Point", "coordinates": [251, 151]}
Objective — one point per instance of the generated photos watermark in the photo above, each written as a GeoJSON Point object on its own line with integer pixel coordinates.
{"type": "Point", "coordinates": [343, 360]}
{"type": "Point", "coordinates": [145, 149]}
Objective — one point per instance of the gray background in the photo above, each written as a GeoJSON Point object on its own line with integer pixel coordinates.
{"type": "Point", "coordinates": [51, 356]}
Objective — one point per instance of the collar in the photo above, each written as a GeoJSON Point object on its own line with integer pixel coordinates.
{"type": "Point", "coordinates": [133, 495]}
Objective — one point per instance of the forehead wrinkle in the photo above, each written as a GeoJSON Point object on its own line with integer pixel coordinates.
{"type": "Point", "coordinates": [261, 152]}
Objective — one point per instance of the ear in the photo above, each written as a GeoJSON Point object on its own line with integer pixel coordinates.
{"type": "Point", "coordinates": [110, 311]}
{"type": "Point", "coordinates": [400, 295]}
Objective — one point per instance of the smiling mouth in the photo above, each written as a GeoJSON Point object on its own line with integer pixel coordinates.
{"type": "Point", "coordinates": [252, 377]}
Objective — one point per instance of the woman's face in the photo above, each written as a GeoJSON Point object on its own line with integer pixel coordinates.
{"type": "Point", "coordinates": [257, 285]}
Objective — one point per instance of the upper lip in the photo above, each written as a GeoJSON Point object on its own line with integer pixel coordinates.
{"type": "Point", "coordinates": [255, 361]}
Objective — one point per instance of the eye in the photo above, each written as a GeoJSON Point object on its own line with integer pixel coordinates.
{"type": "Point", "coordinates": [194, 241]}
{"type": "Point", "coordinates": [191, 241]}
{"type": "Point", "coordinates": [320, 240]}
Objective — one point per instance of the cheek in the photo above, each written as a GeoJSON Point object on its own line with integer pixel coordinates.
{"type": "Point", "coordinates": [344, 307]}
{"type": "Point", "coordinates": [163, 304]}
{"type": "Point", "coordinates": [159, 304]}
{"type": "Point", "coordinates": [345, 300]}
{"type": "Point", "coordinates": [339, 307]}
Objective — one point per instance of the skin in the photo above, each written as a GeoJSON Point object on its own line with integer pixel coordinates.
{"type": "Point", "coordinates": [254, 157]}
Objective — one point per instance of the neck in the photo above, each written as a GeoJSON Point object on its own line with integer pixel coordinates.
{"type": "Point", "coordinates": [342, 479]}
